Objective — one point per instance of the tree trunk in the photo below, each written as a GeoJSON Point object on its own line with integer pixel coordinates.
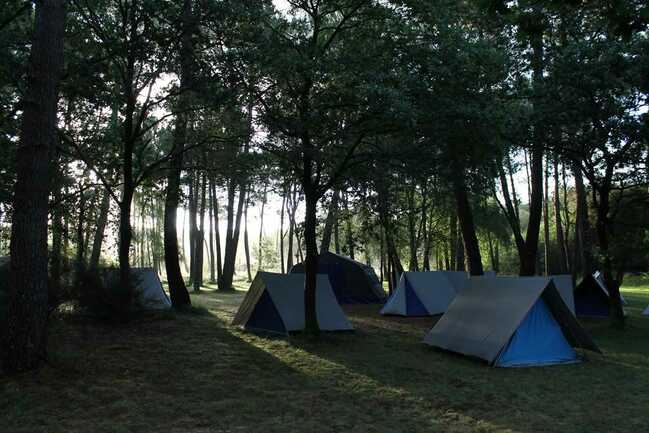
{"type": "Point", "coordinates": [311, 259]}
{"type": "Point", "coordinates": [99, 232]}
{"type": "Point", "coordinates": [465, 218]}
{"type": "Point", "coordinates": [246, 245]}
{"type": "Point", "coordinates": [561, 243]}
{"type": "Point", "coordinates": [261, 229]}
{"type": "Point", "coordinates": [177, 288]}
{"type": "Point", "coordinates": [81, 248]}
{"type": "Point", "coordinates": [211, 236]}
{"type": "Point", "coordinates": [200, 234]}
{"type": "Point", "coordinates": [217, 235]}
{"type": "Point", "coordinates": [453, 241]}
{"type": "Point", "coordinates": [348, 229]}
{"type": "Point", "coordinates": [57, 238]}
{"type": "Point", "coordinates": [26, 333]}
{"type": "Point", "coordinates": [412, 233]}
{"type": "Point", "coordinates": [583, 229]}
{"type": "Point", "coordinates": [529, 257]}
{"type": "Point", "coordinates": [546, 217]}
{"type": "Point", "coordinates": [603, 231]}
{"type": "Point", "coordinates": [194, 183]}
{"type": "Point", "coordinates": [281, 229]}
{"type": "Point", "coordinates": [232, 240]}
{"type": "Point", "coordinates": [337, 231]}
{"type": "Point", "coordinates": [329, 222]}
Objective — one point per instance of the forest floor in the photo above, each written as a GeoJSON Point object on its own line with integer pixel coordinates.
{"type": "Point", "coordinates": [192, 372]}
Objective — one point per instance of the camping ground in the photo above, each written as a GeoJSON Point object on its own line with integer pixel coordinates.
{"type": "Point", "coordinates": [192, 372]}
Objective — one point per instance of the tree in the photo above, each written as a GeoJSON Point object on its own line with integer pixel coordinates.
{"type": "Point", "coordinates": [25, 345]}
{"type": "Point", "coordinates": [320, 102]}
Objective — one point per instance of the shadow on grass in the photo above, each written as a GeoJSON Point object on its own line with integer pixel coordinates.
{"type": "Point", "coordinates": [568, 398]}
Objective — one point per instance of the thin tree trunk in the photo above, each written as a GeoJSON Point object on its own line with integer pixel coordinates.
{"type": "Point", "coordinates": [246, 244]}
{"type": "Point", "coordinates": [348, 229]}
{"type": "Point", "coordinates": [194, 187]}
{"type": "Point", "coordinates": [211, 236]}
{"type": "Point", "coordinates": [561, 244]}
{"type": "Point", "coordinates": [582, 225]}
{"type": "Point", "coordinates": [412, 234]}
{"type": "Point", "coordinates": [81, 219]}
{"type": "Point", "coordinates": [261, 229]}
{"type": "Point", "coordinates": [217, 235]}
{"type": "Point", "coordinates": [566, 219]}
{"type": "Point", "coordinates": [546, 217]}
{"type": "Point", "coordinates": [200, 234]}
{"type": "Point", "coordinates": [232, 242]}
{"type": "Point", "coordinates": [281, 230]}
{"type": "Point", "coordinates": [25, 338]}
{"type": "Point", "coordinates": [453, 242]}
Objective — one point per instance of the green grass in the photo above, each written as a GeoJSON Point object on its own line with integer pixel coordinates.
{"type": "Point", "coordinates": [191, 372]}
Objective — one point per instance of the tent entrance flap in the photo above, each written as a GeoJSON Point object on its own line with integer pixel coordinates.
{"type": "Point", "coordinates": [538, 340]}
{"type": "Point", "coordinates": [414, 307]}
{"type": "Point", "coordinates": [265, 316]}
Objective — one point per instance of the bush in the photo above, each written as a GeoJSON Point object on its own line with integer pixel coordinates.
{"type": "Point", "coordinates": [100, 293]}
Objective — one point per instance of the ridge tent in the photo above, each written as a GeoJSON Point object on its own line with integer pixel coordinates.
{"type": "Point", "coordinates": [424, 293]}
{"type": "Point", "coordinates": [352, 282]}
{"type": "Point", "coordinates": [149, 293]}
{"type": "Point", "coordinates": [511, 322]}
{"type": "Point", "coordinates": [592, 297]}
{"type": "Point", "coordinates": [275, 303]}
{"type": "Point", "coordinates": [563, 284]}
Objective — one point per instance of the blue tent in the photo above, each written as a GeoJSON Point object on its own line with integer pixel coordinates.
{"type": "Point", "coordinates": [538, 340]}
{"type": "Point", "coordinates": [511, 322]}
{"type": "Point", "coordinates": [424, 293]}
{"type": "Point", "coordinates": [592, 297]}
{"type": "Point", "coordinates": [275, 303]}
{"type": "Point", "coordinates": [352, 282]}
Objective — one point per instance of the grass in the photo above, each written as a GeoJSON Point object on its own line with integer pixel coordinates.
{"type": "Point", "coordinates": [191, 372]}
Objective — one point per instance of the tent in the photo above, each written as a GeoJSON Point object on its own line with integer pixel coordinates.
{"type": "Point", "coordinates": [511, 322]}
{"type": "Point", "coordinates": [424, 293]}
{"type": "Point", "coordinates": [592, 297]}
{"type": "Point", "coordinates": [563, 284]}
{"type": "Point", "coordinates": [149, 293]}
{"type": "Point", "coordinates": [275, 303]}
{"type": "Point", "coordinates": [646, 312]}
{"type": "Point", "coordinates": [352, 282]}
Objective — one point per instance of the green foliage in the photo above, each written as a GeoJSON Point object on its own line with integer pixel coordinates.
{"type": "Point", "coordinates": [269, 256]}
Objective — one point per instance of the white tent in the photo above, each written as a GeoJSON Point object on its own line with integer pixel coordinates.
{"type": "Point", "coordinates": [149, 292]}
{"type": "Point", "coordinates": [424, 293]}
{"type": "Point", "coordinates": [275, 303]}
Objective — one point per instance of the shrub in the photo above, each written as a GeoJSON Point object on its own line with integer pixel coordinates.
{"type": "Point", "coordinates": [100, 293]}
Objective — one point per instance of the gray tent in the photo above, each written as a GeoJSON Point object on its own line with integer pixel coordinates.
{"type": "Point", "coordinates": [149, 293]}
{"type": "Point", "coordinates": [352, 282]}
{"type": "Point", "coordinates": [511, 322]}
{"type": "Point", "coordinates": [563, 284]}
{"type": "Point", "coordinates": [275, 303]}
